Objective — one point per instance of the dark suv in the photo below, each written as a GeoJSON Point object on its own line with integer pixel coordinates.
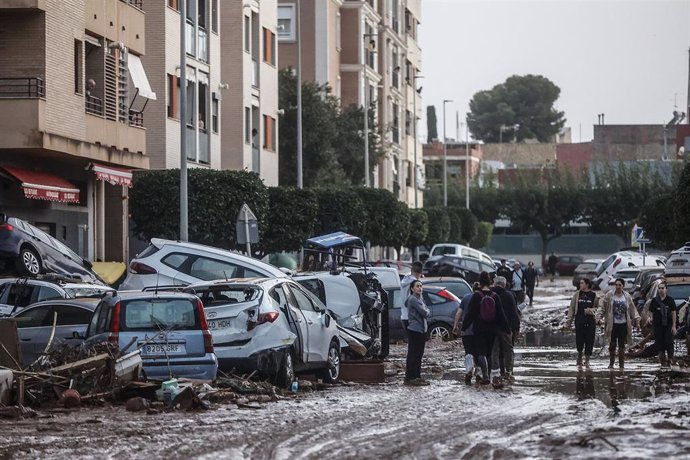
{"type": "Point", "coordinates": [169, 328]}
{"type": "Point", "coordinates": [467, 268]}
{"type": "Point", "coordinates": [29, 251]}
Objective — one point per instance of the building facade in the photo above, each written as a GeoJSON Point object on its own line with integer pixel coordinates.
{"type": "Point", "coordinates": [72, 96]}
{"type": "Point", "coordinates": [367, 52]}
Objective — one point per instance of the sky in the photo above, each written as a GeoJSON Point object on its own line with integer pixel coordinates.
{"type": "Point", "coordinates": [625, 59]}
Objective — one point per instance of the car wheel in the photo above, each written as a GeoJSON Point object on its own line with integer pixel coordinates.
{"type": "Point", "coordinates": [439, 331]}
{"type": "Point", "coordinates": [332, 373]}
{"type": "Point", "coordinates": [28, 263]}
{"type": "Point", "coordinates": [286, 371]}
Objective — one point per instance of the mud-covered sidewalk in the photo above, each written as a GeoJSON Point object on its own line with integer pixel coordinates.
{"type": "Point", "coordinates": [552, 410]}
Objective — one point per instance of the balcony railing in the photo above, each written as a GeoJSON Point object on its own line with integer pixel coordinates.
{"type": "Point", "coordinates": [21, 88]}
{"type": "Point", "coordinates": [94, 105]}
{"type": "Point", "coordinates": [136, 118]}
{"type": "Point", "coordinates": [135, 3]}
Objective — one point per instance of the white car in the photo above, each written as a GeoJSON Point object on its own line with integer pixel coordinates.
{"type": "Point", "coordinates": [452, 249]}
{"type": "Point", "coordinates": [271, 325]}
{"type": "Point", "coordinates": [622, 260]}
{"type": "Point", "coordinates": [175, 263]}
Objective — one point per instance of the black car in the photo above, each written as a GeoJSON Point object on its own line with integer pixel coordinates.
{"type": "Point", "coordinates": [467, 268]}
{"type": "Point", "coordinates": [28, 251]}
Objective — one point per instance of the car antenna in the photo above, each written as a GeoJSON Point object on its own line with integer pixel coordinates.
{"type": "Point", "coordinates": [225, 274]}
{"type": "Point", "coordinates": [155, 292]}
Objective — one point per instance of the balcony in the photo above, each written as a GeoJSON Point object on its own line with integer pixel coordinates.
{"type": "Point", "coordinates": [22, 112]}
{"type": "Point", "coordinates": [118, 21]}
{"type": "Point", "coordinates": [23, 5]}
{"type": "Point", "coordinates": [21, 88]}
{"type": "Point", "coordinates": [135, 3]}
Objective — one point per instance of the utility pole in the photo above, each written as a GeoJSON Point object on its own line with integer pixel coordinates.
{"type": "Point", "coordinates": [184, 222]}
{"type": "Point", "coordinates": [300, 179]}
{"type": "Point", "coordinates": [445, 156]}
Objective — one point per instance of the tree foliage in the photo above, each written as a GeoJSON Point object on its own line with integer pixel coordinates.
{"type": "Point", "coordinates": [682, 211]}
{"type": "Point", "coordinates": [657, 219]}
{"type": "Point", "coordinates": [527, 101]}
{"type": "Point", "coordinates": [340, 209]}
{"type": "Point", "coordinates": [419, 228]}
{"type": "Point", "coordinates": [439, 225]}
{"type": "Point", "coordinates": [332, 139]}
{"type": "Point", "coordinates": [292, 213]}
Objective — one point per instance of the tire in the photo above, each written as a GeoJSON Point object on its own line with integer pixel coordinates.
{"type": "Point", "coordinates": [332, 373]}
{"type": "Point", "coordinates": [286, 371]}
{"type": "Point", "coordinates": [439, 330]}
{"type": "Point", "coordinates": [28, 263]}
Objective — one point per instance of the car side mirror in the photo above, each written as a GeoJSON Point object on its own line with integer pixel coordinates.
{"type": "Point", "coordinates": [77, 335]}
{"type": "Point", "coordinates": [327, 319]}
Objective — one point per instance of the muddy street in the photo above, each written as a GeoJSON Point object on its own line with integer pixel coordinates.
{"type": "Point", "coordinates": [551, 410]}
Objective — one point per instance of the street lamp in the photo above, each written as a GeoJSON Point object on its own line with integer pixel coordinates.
{"type": "Point", "coordinates": [414, 114]}
{"type": "Point", "coordinates": [371, 47]}
{"type": "Point", "coordinates": [184, 219]}
{"type": "Point", "coordinates": [300, 178]}
{"type": "Point", "coordinates": [445, 156]}
{"type": "Point", "coordinates": [467, 165]}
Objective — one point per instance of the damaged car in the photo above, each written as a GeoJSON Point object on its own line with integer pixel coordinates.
{"type": "Point", "coordinates": [271, 325]}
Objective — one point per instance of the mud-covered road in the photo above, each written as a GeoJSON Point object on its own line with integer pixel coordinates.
{"type": "Point", "coordinates": [552, 410]}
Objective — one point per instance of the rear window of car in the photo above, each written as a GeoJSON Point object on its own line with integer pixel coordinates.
{"type": "Point", "coordinates": [228, 294]}
{"type": "Point", "coordinates": [441, 250]}
{"type": "Point", "coordinates": [679, 291]}
{"type": "Point", "coordinates": [158, 314]}
{"type": "Point", "coordinates": [152, 249]}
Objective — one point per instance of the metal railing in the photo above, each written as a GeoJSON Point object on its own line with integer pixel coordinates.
{"type": "Point", "coordinates": [94, 105]}
{"type": "Point", "coordinates": [21, 87]}
{"type": "Point", "coordinates": [136, 118]}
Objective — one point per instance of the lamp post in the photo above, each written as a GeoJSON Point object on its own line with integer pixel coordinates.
{"type": "Point", "coordinates": [371, 46]}
{"type": "Point", "coordinates": [300, 179]}
{"type": "Point", "coordinates": [184, 223]}
{"type": "Point", "coordinates": [414, 114]}
{"type": "Point", "coordinates": [445, 156]}
{"type": "Point", "coordinates": [467, 165]}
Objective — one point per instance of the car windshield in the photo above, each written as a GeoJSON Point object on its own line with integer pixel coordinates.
{"type": "Point", "coordinates": [679, 291]}
{"type": "Point", "coordinates": [159, 314]}
{"type": "Point", "coordinates": [586, 267]}
{"type": "Point", "coordinates": [228, 294]}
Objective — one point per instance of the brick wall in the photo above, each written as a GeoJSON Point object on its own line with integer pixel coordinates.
{"type": "Point", "coordinates": [22, 44]}
{"type": "Point", "coordinates": [631, 142]}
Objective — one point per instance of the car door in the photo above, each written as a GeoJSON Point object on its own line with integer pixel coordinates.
{"type": "Point", "coordinates": [30, 327]}
{"type": "Point", "coordinates": [300, 322]}
{"type": "Point", "coordinates": [319, 337]}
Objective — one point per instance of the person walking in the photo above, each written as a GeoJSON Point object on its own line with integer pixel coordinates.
{"type": "Point", "coordinates": [503, 345]}
{"type": "Point", "coordinates": [531, 279]}
{"type": "Point", "coordinates": [504, 271]}
{"type": "Point", "coordinates": [583, 309]}
{"type": "Point", "coordinates": [553, 260]}
{"type": "Point", "coordinates": [664, 316]}
{"type": "Point", "coordinates": [619, 313]}
{"type": "Point", "coordinates": [405, 284]}
{"type": "Point", "coordinates": [485, 314]}
{"type": "Point", "coordinates": [416, 333]}
{"type": "Point", "coordinates": [474, 362]}
{"type": "Point", "coordinates": [516, 282]}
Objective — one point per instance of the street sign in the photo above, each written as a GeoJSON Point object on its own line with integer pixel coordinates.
{"type": "Point", "coordinates": [644, 241]}
{"type": "Point", "coordinates": [246, 228]}
{"type": "Point", "coordinates": [639, 234]}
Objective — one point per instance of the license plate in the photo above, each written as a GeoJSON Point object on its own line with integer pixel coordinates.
{"type": "Point", "coordinates": [216, 324]}
{"type": "Point", "coordinates": [155, 349]}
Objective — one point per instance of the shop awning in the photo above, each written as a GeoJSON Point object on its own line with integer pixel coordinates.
{"type": "Point", "coordinates": [112, 175]}
{"type": "Point", "coordinates": [44, 186]}
{"type": "Point", "coordinates": [136, 71]}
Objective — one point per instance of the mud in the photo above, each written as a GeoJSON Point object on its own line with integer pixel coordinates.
{"type": "Point", "coordinates": [552, 410]}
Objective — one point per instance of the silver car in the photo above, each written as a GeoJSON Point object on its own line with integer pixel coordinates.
{"type": "Point", "coordinates": [272, 325]}
{"type": "Point", "coordinates": [177, 263]}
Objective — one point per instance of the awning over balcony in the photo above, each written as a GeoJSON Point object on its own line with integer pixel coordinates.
{"type": "Point", "coordinates": [112, 175]}
{"type": "Point", "coordinates": [44, 186]}
{"type": "Point", "coordinates": [136, 71]}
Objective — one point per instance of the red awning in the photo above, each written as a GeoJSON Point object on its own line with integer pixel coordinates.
{"type": "Point", "coordinates": [44, 186]}
{"type": "Point", "coordinates": [112, 175]}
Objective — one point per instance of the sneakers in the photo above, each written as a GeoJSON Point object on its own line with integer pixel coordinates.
{"type": "Point", "coordinates": [468, 378]}
{"type": "Point", "coordinates": [497, 383]}
{"type": "Point", "coordinates": [509, 377]}
{"type": "Point", "coordinates": [417, 382]}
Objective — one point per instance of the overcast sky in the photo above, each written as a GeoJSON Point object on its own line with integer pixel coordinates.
{"type": "Point", "coordinates": [626, 59]}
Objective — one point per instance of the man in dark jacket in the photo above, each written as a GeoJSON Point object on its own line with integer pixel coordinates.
{"type": "Point", "coordinates": [504, 271]}
{"type": "Point", "coordinates": [531, 278]}
{"type": "Point", "coordinates": [503, 345]}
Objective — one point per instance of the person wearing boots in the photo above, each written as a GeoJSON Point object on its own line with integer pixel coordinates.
{"type": "Point", "coordinates": [583, 310]}
{"type": "Point", "coordinates": [619, 313]}
{"type": "Point", "coordinates": [663, 310]}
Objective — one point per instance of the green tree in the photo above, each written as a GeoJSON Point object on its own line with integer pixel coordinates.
{"type": "Point", "coordinates": [483, 237]}
{"type": "Point", "coordinates": [439, 225]}
{"type": "Point", "coordinates": [419, 228]}
{"type": "Point", "coordinates": [349, 142]}
{"type": "Point", "coordinates": [431, 124]}
{"type": "Point", "coordinates": [292, 214]}
{"type": "Point", "coordinates": [657, 219]}
{"type": "Point", "coordinates": [340, 209]}
{"type": "Point", "coordinates": [527, 101]}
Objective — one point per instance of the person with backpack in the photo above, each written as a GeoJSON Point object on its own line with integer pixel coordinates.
{"type": "Point", "coordinates": [663, 310]}
{"type": "Point", "coordinates": [502, 352]}
{"type": "Point", "coordinates": [473, 360]}
{"type": "Point", "coordinates": [485, 314]}
{"type": "Point", "coordinates": [583, 308]}
{"type": "Point", "coordinates": [416, 333]}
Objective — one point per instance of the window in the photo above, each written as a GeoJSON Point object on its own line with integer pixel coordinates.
{"type": "Point", "coordinates": [286, 22]}
{"type": "Point", "coordinates": [174, 5]}
{"type": "Point", "coordinates": [247, 125]}
{"type": "Point", "coordinates": [173, 97]}
{"type": "Point", "coordinates": [303, 302]}
{"type": "Point", "coordinates": [47, 293]}
{"type": "Point", "coordinates": [203, 101]}
{"type": "Point", "coordinates": [214, 113]}
{"type": "Point", "coordinates": [269, 47]}
{"type": "Point", "coordinates": [32, 317]}
{"type": "Point", "coordinates": [20, 295]}
{"type": "Point", "coordinates": [247, 34]}
{"type": "Point", "coordinates": [156, 314]}
{"type": "Point", "coordinates": [269, 133]}
{"type": "Point", "coordinates": [78, 67]}
{"type": "Point", "coordinates": [174, 260]}
{"type": "Point", "coordinates": [68, 315]}
{"type": "Point", "coordinates": [211, 269]}
{"type": "Point", "coordinates": [214, 16]}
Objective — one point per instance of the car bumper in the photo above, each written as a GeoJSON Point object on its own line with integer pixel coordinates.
{"type": "Point", "coordinates": [265, 361]}
{"type": "Point", "coordinates": [201, 368]}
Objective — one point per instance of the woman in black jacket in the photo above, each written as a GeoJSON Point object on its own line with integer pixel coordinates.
{"type": "Point", "coordinates": [583, 309]}
{"type": "Point", "coordinates": [663, 309]}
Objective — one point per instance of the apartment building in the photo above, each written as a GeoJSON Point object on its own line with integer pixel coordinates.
{"type": "Point", "coordinates": [249, 88]}
{"type": "Point", "coordinates": [73, 93]}
{"type": "Point", "coordinates": [203, 86]}
{"type": "Point", "coordinates": [367, 52]}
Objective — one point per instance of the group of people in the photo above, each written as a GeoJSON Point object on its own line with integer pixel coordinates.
{"type": "Point", "coordinates": [618, 312]}
{"type": "Point", "coordinates": [488, 320]}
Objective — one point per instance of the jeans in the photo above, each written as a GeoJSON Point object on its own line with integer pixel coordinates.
{"type": "Point", "coordinates": [584, 337]}
{"type": "Point", "coordinates": [502, 343]}
{"type": "Point", "coordinates": [415, 350]}
{"type": "Point", "coordinates": [619, 334]}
